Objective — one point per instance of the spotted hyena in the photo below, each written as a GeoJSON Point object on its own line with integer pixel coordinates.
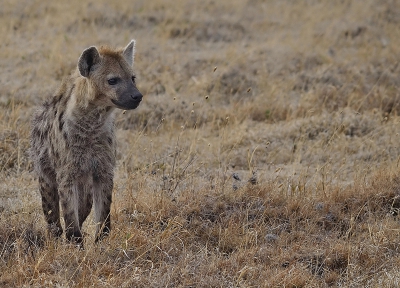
{"type": "Point", "coordinates": [73, 141]}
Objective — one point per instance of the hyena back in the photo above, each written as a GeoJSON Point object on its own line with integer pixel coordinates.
{"type": "Point", "coordinates": [73, 142]}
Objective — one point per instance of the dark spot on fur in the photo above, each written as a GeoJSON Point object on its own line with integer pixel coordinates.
{"type": "Point", "coordinates": [36, 132]}
{"type": "Point", "coordinates": [46, 105]}
{"type": "Point", "coordinates": [110, 140]}
{"type": "Point", "coordinates": [96, 173]}
{"type": "Point", "coordinates": [65, 136]}
{"type": "Point", "coordinates": [61, 121]}
{"type": "Point", "coordinates": [57, 99]}
{"type": "Point", "coordinates": [44, 198]}
{"type": "Point", "coordinates": [67, 96]}
{"type": "Point", "coordinates": [96, 176]}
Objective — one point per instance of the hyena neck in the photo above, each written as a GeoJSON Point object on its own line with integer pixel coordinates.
{"type": "Point", "coordinates": [86, 116]}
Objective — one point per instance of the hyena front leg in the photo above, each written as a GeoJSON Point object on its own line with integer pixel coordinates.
{"type": "Point", "coordinates": [102, 196]}
{"type": "Point", "coordinates": [85, 205]}
{"type": "Point", "coordinates": [69, 198]}
{"type": "Point", "coordinates": [51, 205]}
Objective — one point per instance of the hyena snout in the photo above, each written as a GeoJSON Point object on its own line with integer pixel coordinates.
{"type": "Point", "coordinates": [137, 96]}
{"type": "Point", "coordinates": [129, 99]}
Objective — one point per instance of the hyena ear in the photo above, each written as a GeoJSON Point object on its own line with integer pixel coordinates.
{"type": "Point", "coordinates": [129, 52]}
{"type": "Point", "coordinates": [88, 59]}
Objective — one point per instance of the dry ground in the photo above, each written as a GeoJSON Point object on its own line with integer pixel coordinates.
{"type": "Point", "coordinates": [265, 153]}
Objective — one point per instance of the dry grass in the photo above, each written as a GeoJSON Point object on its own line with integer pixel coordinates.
{"type": "Point", "coordinates": [265, 153]}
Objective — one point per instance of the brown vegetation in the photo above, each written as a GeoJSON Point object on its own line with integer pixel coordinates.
{"type": "Point", "coordinates": [265, 152]}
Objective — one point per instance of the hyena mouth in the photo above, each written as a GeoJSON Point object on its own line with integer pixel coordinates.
{"type": "Point", "coordinates": [128, 105]}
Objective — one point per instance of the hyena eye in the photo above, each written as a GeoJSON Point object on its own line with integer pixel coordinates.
{"type": "Point", "coordinates": [113, 81]}
{"type": "Point", "coordinates": [133, 79]}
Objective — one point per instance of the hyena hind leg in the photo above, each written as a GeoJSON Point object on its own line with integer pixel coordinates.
{"type": "Point", "coordinates": [51, 206]}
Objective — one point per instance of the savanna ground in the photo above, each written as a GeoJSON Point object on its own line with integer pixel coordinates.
{"type": "Point", "coordinates": [265, 152]}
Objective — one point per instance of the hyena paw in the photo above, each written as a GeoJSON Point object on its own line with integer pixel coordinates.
{"type": "Point", "coordinates": [55, 230]}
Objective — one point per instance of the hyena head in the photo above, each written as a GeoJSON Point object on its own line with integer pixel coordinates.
{"type": "Point", "coordinates": [110, 75]}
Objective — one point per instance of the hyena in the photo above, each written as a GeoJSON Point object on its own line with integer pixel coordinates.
{"type": "Point", "coordinates": [73, 141]}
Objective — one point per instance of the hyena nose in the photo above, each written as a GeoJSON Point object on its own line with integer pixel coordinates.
{"type": "Point", "coordinates": [137, 97]}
